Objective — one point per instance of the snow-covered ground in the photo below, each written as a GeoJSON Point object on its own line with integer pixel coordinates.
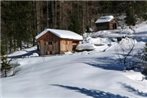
{"type": "Point", "coordinates": [81, 75]}
{"type": "Point", "coordinates": [24, 52]}
{"type": "Point", "coordinates": [93, 74]}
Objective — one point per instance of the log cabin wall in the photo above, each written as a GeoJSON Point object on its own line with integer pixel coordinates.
{"type": "Point", "coordinates": [68, 45]}
{"type": "Point", "coordinates": [42, 44]}
{"type": "Point", "coordinates": [49, 44]}
{"type": "Point", "coordinates": [65, 45]}
{"type": "Point", "coordinates": [42, 47]}
{"type": "Point", "coordinates": [53, 44]}
{"type": "Point", "coordinates": [112, 25]}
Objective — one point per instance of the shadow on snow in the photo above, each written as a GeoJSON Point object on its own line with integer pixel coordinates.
{"type": "Point", "coordinates": [104, 62]}
{"type": "Point", "coordinates": [28, 53]}
{"type": "Point", "coordinates": [92, 93]}
{"type": "Point", "coordinates": [133, 90]}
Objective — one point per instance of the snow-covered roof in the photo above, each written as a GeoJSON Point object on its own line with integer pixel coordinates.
{"type": "Point", "coordinates": [104, 19]}
{"type": "Point", "coordinates": [61, 34]}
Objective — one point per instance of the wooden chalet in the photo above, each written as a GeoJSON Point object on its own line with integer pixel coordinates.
{"type": "Point", "coordinates": [55, 41]}
{"type": "Point", "coordinates": [106, 23]}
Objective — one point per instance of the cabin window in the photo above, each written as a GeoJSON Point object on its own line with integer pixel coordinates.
{"type": "Point", "coordinates": [114, 26]}
{"type": "Point", "coordinates": [50, 43]}
{"type": "Point", "coordinates": [74, 48]}
{"type": "Point", "coordinates": [50, 52]}
{"type": "Point", "coordinates": [75, 42]}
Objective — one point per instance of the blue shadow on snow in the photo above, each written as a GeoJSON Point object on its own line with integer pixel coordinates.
{"type": "Point", "coordinates": [133, 90]}
{"type": "Point", "coordinates": [105, 63]}
{"type": "Point", "coordinates": [92, 93]}
{"type": "Point", "coordinates": [23, 55]}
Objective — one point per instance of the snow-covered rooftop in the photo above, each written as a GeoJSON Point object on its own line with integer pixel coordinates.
{"type": "Point", "coordinates": [61, 34]}
{"type": "Point", "coordinates": [104, 19]}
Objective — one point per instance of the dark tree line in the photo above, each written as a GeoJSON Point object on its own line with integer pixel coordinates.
{"type": "Point", "coordinates": [22, 20]}
{"type": "Point", "coordinates": [17, 25]}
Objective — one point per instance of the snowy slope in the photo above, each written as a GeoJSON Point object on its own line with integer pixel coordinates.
{"type": "Point", "coordinates": [94, 74]}
{"type": "Point", "coordinates": [82, 75]}
{"type": "Point", "coordinates": [141, 27]}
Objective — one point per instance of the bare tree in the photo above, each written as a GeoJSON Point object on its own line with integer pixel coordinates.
{"type": "Point", "coordinates": [125, 54]}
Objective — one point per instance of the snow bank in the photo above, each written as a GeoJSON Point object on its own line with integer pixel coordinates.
{"type": "Point", "coordinates": [34, 55]}
{"type": "Point", "coordinates": [31, 48]}
{"type": "Point", "coordinates": [140, 28]}
{"type": "Point", "coordinates": [21, 52]}
{"type": "Point", "coordinates": [25, 52]}
{"type": "Point", "coordinates": [99, 41]}
{"type": "Point", "coordinates": [127, 43]}
{"type": "Point", "coordinates": [98, 44]}
{"type": "Point", "coordinates": [67, 53]}
{"type": "Point", "coordinates": [102, 48]}
{"type": "Point", "coordinates": [134, 75]}
{"type": "Point", "coordinates": [101, 33]}
{"type": "Point", "coordinates": [85, 46]}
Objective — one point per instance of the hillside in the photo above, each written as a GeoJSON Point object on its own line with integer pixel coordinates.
{"type": "Point", "coordinates": [93, 74]}
{"type": "Point", "coordinates": [81, 75]}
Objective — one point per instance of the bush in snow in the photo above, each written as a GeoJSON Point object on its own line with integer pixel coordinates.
{"type": "Point", "coordinates": [126, 46]}
{"type": "Point", "coordinates": [130, 16]}
{"type": "Point", "coordinates": [131, 61]}
{"type": "Point", "coordinates": [7, 69]}
{"type": "Point", "coordinates": [5, 66]}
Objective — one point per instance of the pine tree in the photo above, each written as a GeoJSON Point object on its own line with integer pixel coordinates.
{"type": "Point", "coordinates": [5, 66]}
{"type": "Point", "coordinates": [75, 19]}
{"type": "Point", "coordinates": [18, 24]}
{"type": "Point", "coordinates": [130, 16]}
